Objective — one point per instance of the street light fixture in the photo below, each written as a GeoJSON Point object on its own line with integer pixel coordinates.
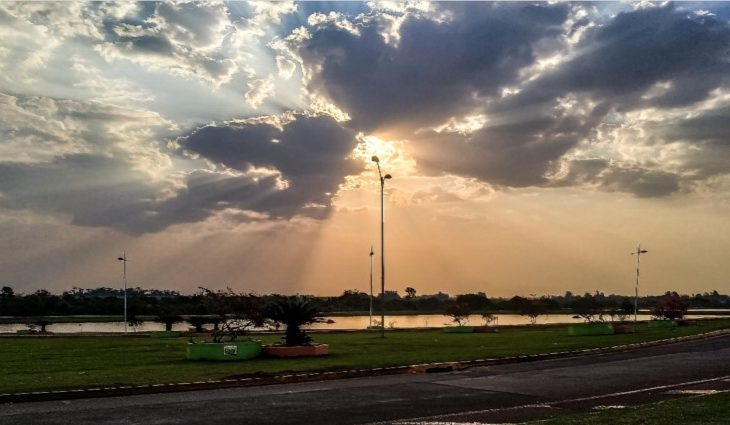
{"type": "Point", "coordinates": [370, 323]}
{"type": "Point", "coordinates": [124, 260]}
{"type": "Point", "coordinates": [638, 253]}
{"type": "Point", "coordinates": [376, 160]}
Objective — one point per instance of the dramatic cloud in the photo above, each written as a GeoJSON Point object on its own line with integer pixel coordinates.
{"type": "Point", "coordinates": [277, 172]}
{"type": "Point", "coordinates": [507, 92]}
{"type": "Point", "coordinates": [311, 155]}
{"type": "Point", "coordinates": [177, 121]}
{"type": "Point", "coordinates": [437, 69]}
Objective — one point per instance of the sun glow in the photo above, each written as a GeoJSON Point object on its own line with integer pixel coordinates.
{"type": "Point", "coordinates": [392, 154]}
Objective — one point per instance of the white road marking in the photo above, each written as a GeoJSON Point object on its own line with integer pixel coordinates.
{"type": "Point", "coordinates": [696, 392]}
{"type": "Point", "coordinates": [426, 419]}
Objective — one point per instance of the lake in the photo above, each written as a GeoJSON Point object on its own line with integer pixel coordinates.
{"type": "Point", "coordinates": [340, 323]}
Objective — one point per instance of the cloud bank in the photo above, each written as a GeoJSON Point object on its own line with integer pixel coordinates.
{"type": "Point", "coordinates": [596, 96]}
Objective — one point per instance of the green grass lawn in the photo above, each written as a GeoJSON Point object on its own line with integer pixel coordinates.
{"type": "Point", "coordinates": [697, 410]}
{"type": "Point", "coordinates": [34, 364]}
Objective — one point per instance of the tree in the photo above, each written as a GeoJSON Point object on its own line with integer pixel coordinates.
{"type": "Point", "coordinates": [459, 312]}
{"type": "Point", "coordinates": [532, 308]}
{"type": "Point", "coordinates": [620, 311]}
{"type": "Point", "coordinates": [7, 298]}
{"type": "Point", "coordinates": [7, 292]}
{"type": "Point", "coordinates": [197, 322]}
{"type": "Point", "coordinates": [474, 301]}
{"type": "Point", "coordinates": [588, 307]}
{"type": "Point", "coordinates": [238, 313]}
{"type": "Point", "coordinates": [410, 292]}
{"type": "Point", "coordinates": [133, 321]}
{"type": "Point", "coordinates": [294, 312]}
{"type": "Point", "coordinates": [168, 319]}
{"type": "Point", "coordinates": [671, 306]}
{"type": "Point", "coordinates": [488, 318]}
{"type": "Point", "coordinates": [42, 323]}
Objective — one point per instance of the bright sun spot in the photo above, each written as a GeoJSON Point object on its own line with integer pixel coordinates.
{"type": "Point", "coordinates": [392, 154]}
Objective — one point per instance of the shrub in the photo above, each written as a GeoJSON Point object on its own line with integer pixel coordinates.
{"type": "Point", "coordinates": [294, 312]}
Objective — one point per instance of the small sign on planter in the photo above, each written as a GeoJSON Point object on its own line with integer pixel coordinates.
{"type": "Point", "coordinates": [230, 350]}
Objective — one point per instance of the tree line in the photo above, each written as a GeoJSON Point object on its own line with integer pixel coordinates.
{"type": "Point", "coordinates": [141, 302]}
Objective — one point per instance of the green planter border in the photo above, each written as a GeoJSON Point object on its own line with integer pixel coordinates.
{"type": "Point", "coordinates": [587, 329]}
{"type": "Point", "coordinates": [662, 324]}
{"type": "Point", "coordinates": [224, 351]}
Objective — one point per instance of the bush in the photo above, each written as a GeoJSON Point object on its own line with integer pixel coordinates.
{"type": "Point", "coordinates": [294, 312]}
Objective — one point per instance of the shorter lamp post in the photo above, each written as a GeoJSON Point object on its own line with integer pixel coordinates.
{"type": "Point", "coordinates": [638, 253]}
{"type": "Point", "coordinates": [124, 260]}
{"type": "Point", "coordinates": [370, 322]}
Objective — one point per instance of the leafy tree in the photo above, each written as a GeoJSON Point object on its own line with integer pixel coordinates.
{"type": "Point", "coordinates": [459, 312]}
{"type": "Point", "coordinates": [168, 319]}
{"type": "Point", "coordinates": [671, 306]}
{"type": "Point", "coordinates": [620, 311]}
{"type": "Point", "coordinates": [589, 307]}
{"type": "Point", "coordinates": [197, 322]}
{"type": "Point", "coordinates": [133, 321]}
{"type": "Point", "coordinates": [7, 301]}
{"type": "Point", "coordinates": [245, 312]}
{"type": "Point", "coordinates": [410, 292]}
{"type": "Point", "coordinates": [474, 301]}
{"type": "Point", "coordinates": [488, 318]}
{"type": "Point", "coordinates": [532, 308]}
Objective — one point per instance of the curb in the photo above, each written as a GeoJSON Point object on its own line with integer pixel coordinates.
{"type": "Point", "coordinates": [233, 382]}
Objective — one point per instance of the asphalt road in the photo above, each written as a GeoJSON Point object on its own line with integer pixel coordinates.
{"type": "Point", "coordinates": [494, 394]}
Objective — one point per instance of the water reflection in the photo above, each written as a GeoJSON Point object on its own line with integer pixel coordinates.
{"type": "Point", "coordinates": [340, 323]}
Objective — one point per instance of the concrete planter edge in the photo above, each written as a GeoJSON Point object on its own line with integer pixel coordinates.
{"type": "Point", "coordinates": [297, 350]}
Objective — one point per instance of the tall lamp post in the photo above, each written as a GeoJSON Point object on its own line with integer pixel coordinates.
{"type": "Point", "coordinates": [123, 259]}
{"type": "Point", "coordinates": [638, 253]}
{"type": "Point", "coordinates": [370, 323]}
{"type": "Point", "coordinates": [376, 160]}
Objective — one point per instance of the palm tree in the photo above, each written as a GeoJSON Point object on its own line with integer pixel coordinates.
{"type": "Point", "coordinates": [294, 312]}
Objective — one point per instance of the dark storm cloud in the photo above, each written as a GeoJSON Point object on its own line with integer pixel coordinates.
{"type": "Point", "coordinates": [712, 127]}
{"type": "Point", "coordinates": [621, 60]}
{"type": "Point", "coordinates": [437, 69]}
{"type": "Point", "coordinates": [311, 153]}
{"type": "Point", "coordinates": [708, 134]}
{"type": "Point", "coordinates": [659, 57]}
{"type": "Point", "coordinates": [94, 190]}
{"type": "Point", "coordinates": [494, 153]}
{"type": "Point", "coordinates": [304, 146]}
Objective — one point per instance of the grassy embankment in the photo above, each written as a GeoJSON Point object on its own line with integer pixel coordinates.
{"type": "Point", "coordinates": [48, 363]}
{"type": "Point", "coordinates": [696, 410]}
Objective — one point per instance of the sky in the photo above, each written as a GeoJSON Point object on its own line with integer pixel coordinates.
{"type": "Point", "coordinates": [532, 146]}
